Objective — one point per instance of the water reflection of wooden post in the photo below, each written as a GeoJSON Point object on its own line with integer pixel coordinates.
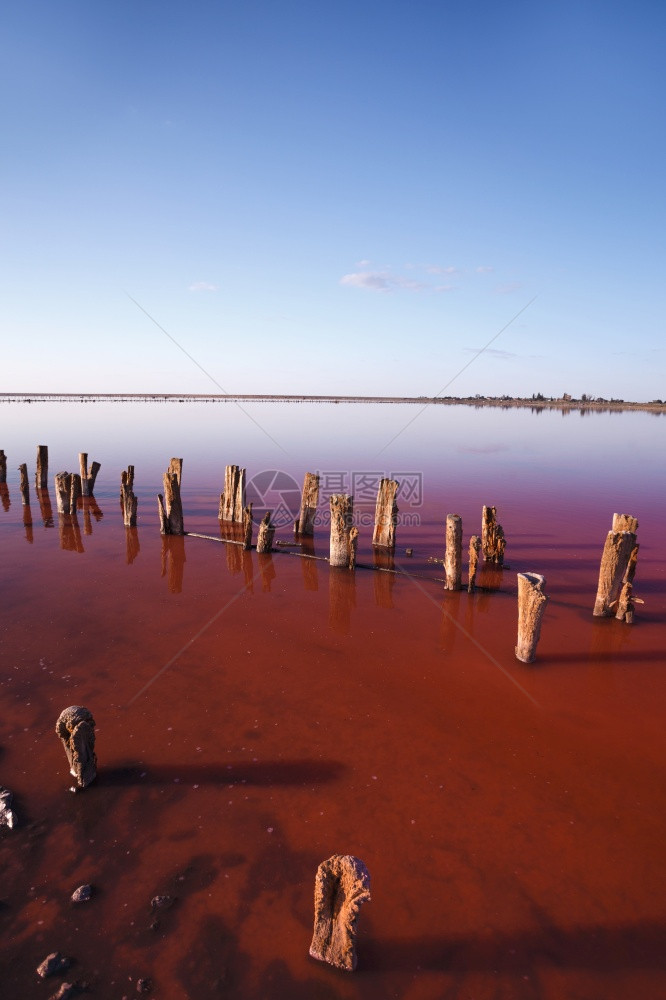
{"type": "Point", "coordinates": [386, 514]}
{"type": "Point", "coordinates": [383, 577]}
{"type": "Point", "coordinates": [4, 496]}
{"type": "Point", "coordinates": [266, 533]}
{"type": "Point", "coordinates": [247, 527]}
{"type": "Point", "coordinates": [531, 605]}
{"type": "Point", "coordinates": [173, 561]}
{"type": "Point", "coordinates": [341, 599]}
{"type": "Point", "coordinates": [453, 555]}
{"type": "Point", "coordinates": [170, 507]}
{"type": "Point", "coordinates": [128, 500]}
{"type": "Point", "coordinates": [266, 568]}
{"type": "Point", "coordinates": [24, 488]}
{"type": "Point", "coordinates": [309, 566]}
{"type": "Point", "coordinates": [88, 476]}
{"type": "Point", "coordinates": [45, 508]}
{"type": "Point", "coordinates": [3, 467]}
{"type": "Point", "coordinates": [342, 885]}
{"type": "Point", "coordinates": [42, 470]}
{"type": "Point", "coordinates": [232, 500]}
{"type": "Point", "coordinates": [342, 511]}
{"type": "Point", "coordinates": [27, 524]}
{"type": "Point", "coordinates": [449, 624]}
{"type": "Point", "coordinates": [304, 524]}
{"type": "Point", "coordinates": [132, 547]}
{"type": "Point", "coordinates": [615, 559]}
{"type": "Point", "coordinates": [493, 542]}
{"type": "Point", "coordinates": [70, 533]}
{"type": "Point", "coordinates": [63, 489]}
{"type": "Point", "coordinates": [474, 548]}
{"type": "Point", "coordinates": [76, 729]}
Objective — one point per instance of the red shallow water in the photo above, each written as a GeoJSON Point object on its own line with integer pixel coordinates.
{"type": "Point", "coordinates": [257, 714]}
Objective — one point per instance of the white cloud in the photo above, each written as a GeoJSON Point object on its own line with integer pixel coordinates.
{"type": "Point", "coordinates": [484, 269]}
{"type": "Point", "coordinates": [202, 286]}
{"type": "Point", "coordinates": [372, 280]}
{"type": "Point", "coordinates": [363, 263]}
{"type": "Point", "coordinates": [436, 269]}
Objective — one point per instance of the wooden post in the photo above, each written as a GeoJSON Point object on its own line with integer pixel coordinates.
{"type": "Point", "coordinates": [170, 507]}
{"type": "Point", "coordinates": [232, 500]}
{"type": "Point", "coordinates": [342, 510]}
{"type": "Point", "coordinates": [453, 556]}
{"type": "Point", "coordinates": [127, 481]}
{"type": "Point", "coordinates": [88, 477]}
{"type": "Point", "coordinates": [3, 467]}
{"type": "Point", "coordinates": [25, 489]}
{"type": "Point", "coordinates": [266, 533]}
{"type": "Point", "coordinates": [474, 549]}
{"type": "Point", "coordinates": [76, 490]}
{"type": "Point", "coordinates": [625, 522]}
{"type": "Point", "coordinates": [304, 525]}
{"type": "Point", "coordinates": [341, 886]}
{"type": "Point", "coordinates": [63, 489]}
{"type": "Point", "coordinates": [353, 544]}
{"type": "Point", "coordinates": [76, 729]}
{"type": "Point", "coordinates": [42, 470]}
{"type": "Point", "coordinates": [531, 604]}
{"type": "Point", "coordinates": [247, 527]}
{"type": "Point", "coordinates": [493, 542]}
{"type": "Point", "coordinates": [386, 514]}
{"type": "Point", "coordinates": [625, 604]}
{"type": "Point", "coordinates": [130, 505]}
{"type": "Point", "coordinates": [615, 560]}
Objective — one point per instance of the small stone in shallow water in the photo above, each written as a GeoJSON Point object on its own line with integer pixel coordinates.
{"type": "Point", "coordinates": [64, 992]}
{"type": "Point", "coordinates": [52, 965]}
{"type": "Point", "coordinates": [7, 814]}
{"type": "Point", "coordinates": [82, 894]}
{"type": "Point", "coordinates": [161, 902]}
{"type": "Point", "coordinates": [144, 986]}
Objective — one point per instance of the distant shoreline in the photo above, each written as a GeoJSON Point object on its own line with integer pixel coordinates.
{"type": "Point", "coordinates": [504, 402]}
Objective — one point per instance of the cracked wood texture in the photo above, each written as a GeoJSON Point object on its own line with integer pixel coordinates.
{"type": "Point", "coordinates": [386, 514]}
{"type": "Point", "coordinates": [531, 606]}
{"type": "Point", "coordinates": [474, 549]}
{"type": "Point", "coordinates": [342, 885]}
{"type": "Point", "coordinates": [232, 500]}
{"type": "Point", "coordinates": [42, 467]}
{"type": "Point", "coordinates": [615, 560]}
{"type": "Point", "coordinates": [342, 511]}
{"type": "Point", "coordinates": [304, 524]}
{"type": "Point", "coordinates": [88, 476]}
{"type": "Point", "coordinates": [453, 555]}
{"type": "Point", "coordinates": [493, 542]}
{"type": "Point", "coordinates": [266, 533]}
{"type": "Point", "coordinates": [170, 506]}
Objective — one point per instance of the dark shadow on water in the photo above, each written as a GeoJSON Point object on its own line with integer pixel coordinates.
{"type": "Point", "coordinates": [588, 658]}
{"type": "Point", "coordinates": [283, 772]}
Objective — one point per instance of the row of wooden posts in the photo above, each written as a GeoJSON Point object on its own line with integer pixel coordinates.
{"type": "Point", "coordinates": [617, 570]}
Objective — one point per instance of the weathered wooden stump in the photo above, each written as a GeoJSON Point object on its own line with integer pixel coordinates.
{"type": "Point", "coordinates": [170, 507]}
{"type": "Point", "coordinates": [625, 522]}
{"type": "Point", "coordinates": [3, 467]}
{"type": "Point", "coordinates": [304, 524]}
{"type": "Point", "coordinates": [342, 885]}
{"type": "Point", "coordinates": [127, 480]}
{"type": "Point", "coordinates": [342, 511]}
{"type": "Point", "coordinates": [76, 491]}
{"type": "Point", "coordinates": [76, 729]}
{"type": "Point", "coordinates": [88, 476]}
{"type": "Point", "coordinates": [24, 487]}
{"type": "Point", "coordinates": [626, 600]}
{"type": "Point", "coordinates": [615, 559]}
{"type": "Point", "coordinates": [42, 467]}
{"type": "Point", "coordinates": [493, 542]}
{"type": "Point", "coordinates": [128, 500]}
{"type": "Point", "coordinates": [386, 514]}
{"type": "Point", "coordinates": [453, 555]}
{"type": "Point", "coordinates": [531, 605]}
{"type": "Point", "coordinates": [232, 500]}
{"type": "Point", "coordinates": [474, 549]}
{"type": "Point", "coordinates": [247, 527]}
{"type": "Point", "coordinates": [63, 490]}
{"type": "Point", "coordinates": [266, 533]}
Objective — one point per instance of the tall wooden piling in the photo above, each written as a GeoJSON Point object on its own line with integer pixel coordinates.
{"type": "Point", "coordinates": [304, 524]}
{"type": "Point", "coordinates": [453, 556]}
{"type": "Point", "coordinates": [169, 504]}
{"type": "Point", "coordinates": [474, 549]}
{"type": "Point", "coordinates": [386, 514]}
{"type": "Point", "coordinates": [531, 605]}
{"type": "Point", "coordinates": [128, 500]}
{"type": "Point", "coordinates": [625, 603]}
{"type": "Point", "coordinates": [76, 490]}
{"type": "Point", "coordinates": [127, 480]}
{"type": "Point", "coordinates": [493, 542]}
{"type": "Point", "coordinates": [42, 468]}
{"type": "Point", "coordinates": [24, 487]}
{"type": "Point", "coordinates": [3, 467]}
{"type": "Point", "coordinates": [615, 560]}
{"type": "Point", "coordinates": [232, 500]}
{"type": "Point", "coordinates": [88, 476]}
{"type": "Point", "coordinates": [342, 884]}
{"type": "Point", "coordinates": [342, 511]}
{"type": "Point", "coordinates": [247, 527]}
{"type": "Point", "coordinates": [266, 533]}
{"type": "Point", "coordinates": [63, 489]}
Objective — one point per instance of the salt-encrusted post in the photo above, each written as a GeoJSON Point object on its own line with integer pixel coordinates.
{"type": "Point", "coordinates": [232, 500]}
{"type": "Point", "coordinates": [474, 549]}
{"type": "Point", "coordinates": [625, 522]}
{"type": "Point", "coordinates": [3, 467]}
{"type": "Point", "coordinates": [24, 487]}
{"type": "Point", "coordinates": [266, 533]}
{"type": "Point", "coordinates": [76, 729]}
{"type": "Point", "coordinates": [169, 505]}
{"type": "Point", "coordinates": [88, 476]}
{"type": "Point", "coordinates": [614, 565]}
{"type": "Point", "coordinates": [304, 524]}
{"type": "Point", "coordinates": [128, 500]}
{"type": "Point", "coordinates": [493, 542]}
{"type": "Point", "coordinates": [453, 556]}
{"type": "Point", "coordinates": [63, 489]}
{"type": "Point", "coordinates": [386, 514]}
{"type": "Point", "coordinates": [42, 470]}
{"type": "Point", "coordinates": [531, 604]}
{"type": "Point", "coordinates": [342, 511]}
{"type": "Point", "coordinates": [247, 527]}
{"type": "Point", "coordinates": [341, 886]}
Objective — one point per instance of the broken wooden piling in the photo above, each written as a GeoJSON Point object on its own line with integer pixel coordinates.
{"type": "Point", "coordinates": [232, 499]}
{"type": "Point", "coordinates": [342, 885]}
{"type": "Point", "coordinates": [42, 467]}
{"type": "Point", "coordinates": [128, 500]}
{"type": "Point", "coordinates": [304, 524]}
{"type": "Point", "coordinates": [63, 489]}
{"type": "Point", "coordinates": [76, 729]}
{"type": "Point", "coordinates": [626, 600]}
{"type": "Point", "coordinates": [169, 504]}
{"type": "Point", "coordinates": [3, 467]}
{"type": "Point", "coordinates": [386, 514]}
{"type": "Point", "coordinates": [453, 555]}
{"type": "Point", "coordinates": [615, 561]}
{"type": "Point", "coordinates": [247, 527]}
{"type": "Point", "coordinates": [474, 549]}
{"type": "Point", "coordinates": [24, 487]}
{"type": "Point", "coordinates": [76, 490]}
{"type": "Point", "coordinates": [127, 480]}
{"type": "Point", "coordinates": [531, 605]}
{"type": "Point", "coordinates": [493, 542]}
{"type": "Point", "coordinates": [341, 543]}
{"type": "Point", "coordinates": [266, 533]}
{"type": "Point", "coordinates": [625, 522]}
{"type": "Point", "coordinates": [88, 476]}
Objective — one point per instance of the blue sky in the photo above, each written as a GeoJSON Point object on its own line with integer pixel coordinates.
{"type": "Point", "coordinates": [346, 197]}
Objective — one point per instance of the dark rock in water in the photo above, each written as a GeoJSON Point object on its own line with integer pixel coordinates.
{"type": "Point", "coordinates": [76, 729]}
{"type": "Point", "coordinates": [53, 964]}
{"type": "Point", "coordinates": [82, 894]}
{"type": "Point", "coordinates": [144, 986]}
{"type": "Point", "coordinates": [7, 814]}
{"type": "Point", "coordinates": [65, 991]}
{"type": "Point", "coordinates": [161, 902]}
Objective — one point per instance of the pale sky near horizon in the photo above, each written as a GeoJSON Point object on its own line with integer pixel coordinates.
{"type": "Point", "coordinates": [348, 197]}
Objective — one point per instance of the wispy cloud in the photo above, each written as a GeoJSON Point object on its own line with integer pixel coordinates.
{"type": "Point", "coordinates": [381, 281]}
{"type": "Point", "coordinates": [503, 355]}
{"type": "Point", "coordinates": [437, 269]}
{"type": "Point", "coordinates": [202, 286]}
{"type": "Point", "coordinates": [484, 269]}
